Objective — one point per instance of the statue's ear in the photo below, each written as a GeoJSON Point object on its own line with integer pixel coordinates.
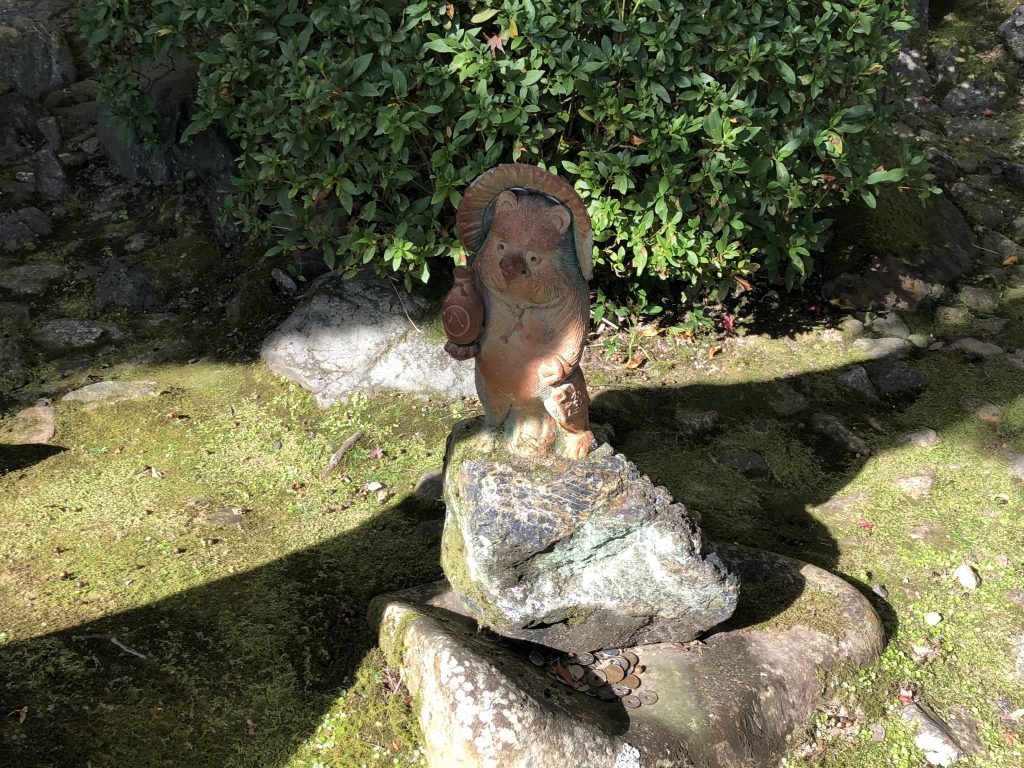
{"type": "Point", "coordinates": [507, 199]}
{"type": "Point", "coordinates": [559, 216]}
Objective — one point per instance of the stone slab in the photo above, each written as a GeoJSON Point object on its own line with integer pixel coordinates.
{"type": "Point", "coordinates": [737, 699]}
{"type": "Point", "coordinates": [113, 392]}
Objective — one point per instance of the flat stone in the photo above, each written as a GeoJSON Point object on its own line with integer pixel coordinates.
{"type": "Point", "coordinates": [68, 334]}
{"type": "Point", "coordinates": [911, 67]}
{"type": "Point", "coordinates": [696, 422]}
{"type": "Point", "coordinates": [1015, 463]}
{"type": "Point", "coordinates": [856, 381]}
{"type": "Point", "coordinates": [30, 426]}
{"type": "Point", "coordinates": [743, 460]}
{"type": "Point", "coordinates": [732, 702]}
{"type": "Point", "coordinates": [929, 532]}
{"type": "Point", "coordinates": [126, 286]}
{"type": "Point", "coordinates": [933, 736]}
{"type": "Point", "coordinates": [973, 97]}
{"type": "Point", "coordinates": [575, 555]}
{"type": "Point", "coordinates": [430, 486]}
{"type": "Point", "coordinates": [29, 279]}
{"type": "Point", "coordinates": [114, 391]}
{"type": "Point", "coordinates": [851, 327]}
{"type": "Point", "coordinates": [979, 299]}
{"type": "Point", "coordinates": [897, 380]}
{"type": "Point", "coordinates": [1001, 248]}
{"type": "Point", "coordinates": [784, 400]}
{"type": "Point", "coordinates": [1014, 359]}
{"type": "Point", "coordinates": [980, 128]}
{"type": "Point", "coordinates": [982, 409]}
{"type": "Point", "coordinates": [884, 347]}
{"type": "Point", "coordinates": [890, 324]}
{"type": "Point", "coordinates": [917, 486]}
{"type": "Point", "coordinates": [363, 334]}
{"type": "Point", "coordinates": [839, 434]}
{"type": "Point", "coordinates": [12, 363]}
{"type": "Point", "coordinates": [990, 326]}
{"type": "Point", "coordinates": [974, 349]}
{"type": "Point", "coordinates": [922, 437]}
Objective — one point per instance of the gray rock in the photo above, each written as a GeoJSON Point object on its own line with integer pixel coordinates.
{"type": "Point", "coordinates": [731, 704]}
{"type": "Point", "coordinates": [50, 180]}
{"type": "Point", "coordinates": [135, 243]}
{"type": "Point", "coordinates": [884, 347]}
{"type": "Point", "coordinates": [920, 340]}
{"type": "Point", "coordinates": [999, 247]}
{"type": "Point", "coordinates": [30, 426]}
{"type": "Point", "coordinates": [743, 460]}
{"type": "Point", "coordinates": [911, 67]}
{"type": "Point", "coordinates": [982, 129]}
{"type": "Point", "coordinates": [576, 555]}
{"type": "Point", "coordinates": [784, 400]}
{"type": "Point", "coordinates": [1015, 463]}
{"type": "Point", "coordinates": [974, 349]}
{"type": "Point", "coordinates": [35, 55]}
{"type": "Point", "coordinates": [917, 486]}
{"type": "Point", "coordinates": [29, 279]}
{"type": "Point", "coordinates": [1013, 174]}
{"type": "Point", "coordinates": [979, 299]}
{"type": "Point", "coordinates": [1014, 359]}
{"type": "Point", "coordinates": [990, 326]}
{"type": "Point", "coordinates": [890, 324]}
{"type": "Point", "coordinates": [838, 434]}
{"type": "Point", "coordinates": [942, 165]}
{"type": "Point", "coordinates": [851, 327]}
{"type": "Point", "coordinates": [22, 227]}
{"type": "Point", "coordinates": [114, 391]}
{"type": "Point", "coordinates": [15, 313]}
{"type": "Point", "coordinates": [19, 126]}
{"type": "Point", "coordinates": [430, 486]}
{"type": "Point", "coordinates": [1011, 32]}
{"type": "Point", "coordinates": [695, 422]}
{"type": "Point", "coordinates": [857, 382]}
{"type": "Point", "coordinates": [284, 282]}
{"type": "Point", "coordinates": [945, 68]}
{"type": "Point", "coordinates": [50, 130]}
{"type": "Point", "coordinates": [359, 334]}
{"type": "Point", "coordinates": [123, 285]}
{"type": "Point", "coordinates": [982, 409]}
{"type": "Point", "coordinates": [973, 97]}
{"type": "Point", "coordinates": [952, 317]}
{"type": "Point", "coordinates": [922, 437]}
{"type": "Point", "coordinates": [897, 380]}
{"type": "Point", "coordinates": [1017, 227]}
{"type": "Point", "coordinates": [68, 334]}
{"type": "Point", "coordinates": [933, 736]}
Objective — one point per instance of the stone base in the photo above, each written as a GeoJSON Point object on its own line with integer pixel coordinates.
{"type": "Point", "coordinates": [737, 698]}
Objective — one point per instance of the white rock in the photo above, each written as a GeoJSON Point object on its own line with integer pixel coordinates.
{"type": "Point", "coordinates": [967, 576]}
{"type": "Point", "coordinates": [932, 618]}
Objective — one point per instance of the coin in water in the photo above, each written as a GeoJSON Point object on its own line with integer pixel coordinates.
{"type": "Point", "coordinates": [621, 690]}
{"type": "Point", "coordinates": [576, 671]}
{"type": "Point", "coordinates": [595, 677]}
{"type": "Point", "coordinates": [614, 674]}
{"type": "Point", "coordinates": [537, 658]}
{"type": "Point", "coordinates": [647, 697]}
{"type": "Point", "coordinates": [581, 685]}
{"type": "Point", "coordinates": [631, 657]}
{"type": "Point", "coordinates": [619, 661]}
{"type": "Point", "coordinates": [586, 659]}
{"type": "Point", "coordinates": [631, 702]}
{"type": "Point", "coordinates": [630, 681]}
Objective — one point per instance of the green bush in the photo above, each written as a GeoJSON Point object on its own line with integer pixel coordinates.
{"type": "Point", "coordinates": [706, 137]}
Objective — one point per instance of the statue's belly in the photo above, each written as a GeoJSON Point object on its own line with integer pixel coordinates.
{"type": "Point", "coordinates": [508, 369]}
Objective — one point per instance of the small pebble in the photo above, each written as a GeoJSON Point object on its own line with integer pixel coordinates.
{"type": "Point", "coordinates": [877, 732]}
{"type": "Point", "coordinates": [881, 591]}
{"type": "Point", "coordinates": [178, 551]}
{"type": "Point", "coordinates": [374, 486]}
{"type": "Point", "coordinates": [932, 618]}
{"type": "Point", "coordinates": [967, 576]}
{"type": "Point", "coordinates": [278, 445]}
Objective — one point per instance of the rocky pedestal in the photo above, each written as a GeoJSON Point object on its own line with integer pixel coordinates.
{"type": "Point", "coordinates": [576, 555]}
{"type": "Point", "coordinates": [737, 699]}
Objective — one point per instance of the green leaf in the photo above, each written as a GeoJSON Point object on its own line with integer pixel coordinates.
{"type": "Point", "coordinates": [786, 71]}
{"type": "Point", "coordinates": [440, 45]}
{"type": "Point", "coordinates": [360, 65]}
{"type": "Point", "coordinates": [869, 198]}
{"type": "Point", "coordinates": [532, 76]}
{"type": "Point", "coordinates": [483, 16]}
{"type": "Point", "coordinates": [894, 174]}
{"type": "Point", "coordinates": [713, 124]}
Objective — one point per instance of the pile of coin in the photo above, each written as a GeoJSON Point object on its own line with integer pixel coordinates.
{"type": "Point", "coordinates": [610, 674]}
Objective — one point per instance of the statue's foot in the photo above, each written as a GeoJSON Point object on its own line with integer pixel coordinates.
{"type": "Point", "coordinates": [578, 444]}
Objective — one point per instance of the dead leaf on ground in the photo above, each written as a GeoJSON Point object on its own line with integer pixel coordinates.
{"type": "Point", "coordinates": [1009, 261]}
{"type": "Point", "coordinates": [651, 330]}
{"type": "Point", "coordinates": [150, 472]}
{"type": "Point", "coordinates": [715, 350]}
{"type": "Point", "coordinates": [635, 362]}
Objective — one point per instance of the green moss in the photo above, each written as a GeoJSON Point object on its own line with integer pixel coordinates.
{"type": "Point", "coordinates": [766, 607]}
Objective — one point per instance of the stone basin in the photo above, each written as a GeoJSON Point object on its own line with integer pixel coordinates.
{"type": "Point", "coordinates": [738, 697]}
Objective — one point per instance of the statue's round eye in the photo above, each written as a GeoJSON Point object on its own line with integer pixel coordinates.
{"type": "Point", "coordinates": [533, 258]}
{"type": "Point", "coordinates": [501, 247]}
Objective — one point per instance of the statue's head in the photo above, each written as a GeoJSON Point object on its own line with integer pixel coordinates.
{"type": "Point", "coordinates": [529, 230]}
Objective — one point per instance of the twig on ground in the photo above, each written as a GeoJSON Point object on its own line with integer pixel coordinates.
{"type": "Point", "coordinates": [339, 455]}
{"type": "Point", "coordinates": [113, 639]}
{"type": "Point", "coordinates": [402, 302]}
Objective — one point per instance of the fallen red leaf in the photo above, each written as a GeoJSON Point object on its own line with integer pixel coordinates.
{"type": "Point", "coordinates": [495, 43]}
{"type": "Point", "coordinates": [867, 525]}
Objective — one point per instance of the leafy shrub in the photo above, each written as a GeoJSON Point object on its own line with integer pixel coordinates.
{"type": "Point", "coordinates": [707, 137]}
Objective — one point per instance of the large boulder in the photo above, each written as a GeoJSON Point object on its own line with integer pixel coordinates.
{"type": "Point", "coordinates": [362, 334]}
{"type": "Point", "coordinates": [1012, 33]}
{"type": "Point", "coordinates": [735, 700]}
{"type": "Point", "coordinates": [35, 55]}
{"type": "Point", "coordinates": [575, 555]}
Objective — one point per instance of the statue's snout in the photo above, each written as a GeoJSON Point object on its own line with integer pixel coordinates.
{"type": "Point", "coordinates": [512, 265]}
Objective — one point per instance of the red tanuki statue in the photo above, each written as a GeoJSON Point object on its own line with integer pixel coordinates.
{"type": "Point", "coordinates": [521, 307]}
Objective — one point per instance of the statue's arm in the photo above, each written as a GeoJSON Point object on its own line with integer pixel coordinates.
{"type": "Point", "coordinates": [462, 314]}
